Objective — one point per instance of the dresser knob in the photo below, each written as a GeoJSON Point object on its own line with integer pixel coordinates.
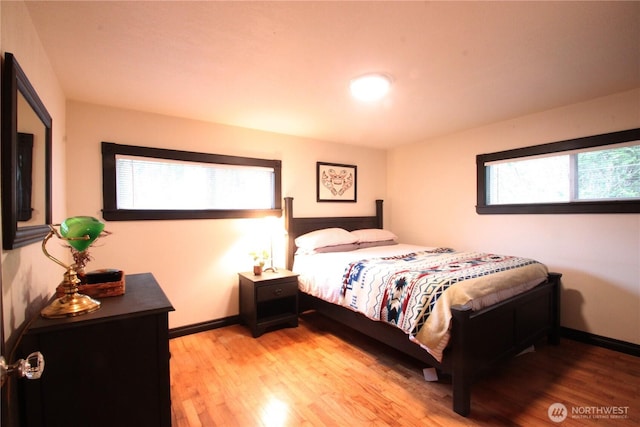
{"type": "Point", "coordinates": [30, 368]}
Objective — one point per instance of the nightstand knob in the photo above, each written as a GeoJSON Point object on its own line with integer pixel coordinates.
{"type": "Point", "coordinates": [277, 291]}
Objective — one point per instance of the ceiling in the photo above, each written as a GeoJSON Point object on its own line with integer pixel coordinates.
{"type": "Point", "coordinates": [285, 66]}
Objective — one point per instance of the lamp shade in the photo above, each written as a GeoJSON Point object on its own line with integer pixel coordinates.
{"type": "Point", "coordinates": [77, 227]}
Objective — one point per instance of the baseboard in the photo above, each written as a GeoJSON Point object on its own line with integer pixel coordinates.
{"type": "Point", "coordinates": [204, 326]}
{"type": "Point", "coordinates": [600, 341]}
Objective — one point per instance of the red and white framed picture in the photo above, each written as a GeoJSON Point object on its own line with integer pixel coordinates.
{"type": "Point", "coordinates": [336, 182]}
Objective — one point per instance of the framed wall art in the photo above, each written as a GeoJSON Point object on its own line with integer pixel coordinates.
{"type": "Point", "coordinates": [336, 182]}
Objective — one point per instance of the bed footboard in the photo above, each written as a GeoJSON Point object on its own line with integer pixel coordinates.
{"type": "Point", "coordinates": [483, 339]}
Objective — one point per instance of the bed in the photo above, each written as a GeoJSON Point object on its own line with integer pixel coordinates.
{"type": "Point", "coordinates": [477, 340]}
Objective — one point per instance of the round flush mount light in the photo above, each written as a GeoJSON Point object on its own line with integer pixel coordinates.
{"type": "Point", "coordinates": [370, 87]}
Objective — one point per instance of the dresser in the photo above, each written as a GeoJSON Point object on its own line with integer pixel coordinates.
{"type": "Point", "coordinates": [107, 368]}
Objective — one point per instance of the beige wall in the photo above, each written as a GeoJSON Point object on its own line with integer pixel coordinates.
{"type": "Point", "coordinates": [28, 278]}
{"type": "Point", "coordinates": [432, 188]}
{"type": "Point", "coordinates": [197, 261]}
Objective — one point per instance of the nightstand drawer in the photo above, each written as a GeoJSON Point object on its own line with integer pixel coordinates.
{"type": "Point", "coordinates": [277, 290]}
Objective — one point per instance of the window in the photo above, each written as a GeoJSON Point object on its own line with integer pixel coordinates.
{"type": "Point", "coordinates": [150, 183]}
{"type": "Point", "coordinates": [596, 174]}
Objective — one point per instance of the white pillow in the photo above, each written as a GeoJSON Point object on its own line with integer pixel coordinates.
{"type": "Point", "coordinates": [373, 235]}
{"type": "Point", "coordinates": [326, 237]}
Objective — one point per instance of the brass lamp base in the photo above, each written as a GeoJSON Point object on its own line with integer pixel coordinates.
{"type": "Point", "coordinates": [70, 305]}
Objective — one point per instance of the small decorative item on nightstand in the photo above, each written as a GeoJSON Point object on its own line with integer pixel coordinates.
{"type": "Point", "coordinates": [259, 258]}
{"type": "Point", "coordinates": [268, 300]}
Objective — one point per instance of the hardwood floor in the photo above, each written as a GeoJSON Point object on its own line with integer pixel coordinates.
{"type": "Point", "coordinates": [321, 374]}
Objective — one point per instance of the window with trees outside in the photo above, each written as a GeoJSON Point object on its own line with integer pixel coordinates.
{"type": "Point", "coordinates": [141, 183]}
{"type": "Point", "coordinates": [596, 174]}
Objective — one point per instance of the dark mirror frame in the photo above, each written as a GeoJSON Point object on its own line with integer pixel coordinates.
{"type": "Point", "coordinates": [14, 80]}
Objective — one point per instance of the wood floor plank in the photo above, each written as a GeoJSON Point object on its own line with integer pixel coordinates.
{"type": "Point", "coordinates": [322, 374]}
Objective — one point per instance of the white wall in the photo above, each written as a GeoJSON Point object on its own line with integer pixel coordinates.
{"type": "Point", "coordinates": [28, 278]}
{"type": "Point", "coordinates": [432, 188]}
{"type": "Point", "coordinates": [197, 261]}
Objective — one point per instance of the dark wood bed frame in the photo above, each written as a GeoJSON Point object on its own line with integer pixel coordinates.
{"type": "Point", "coordinates": [479, 340]}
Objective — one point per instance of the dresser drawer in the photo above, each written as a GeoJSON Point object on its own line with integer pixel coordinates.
{"type": "Point", "coordinates": [277, 290]}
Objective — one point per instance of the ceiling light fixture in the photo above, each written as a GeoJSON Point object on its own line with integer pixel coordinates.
{"type": "Point", "coordinates": [370, 87]}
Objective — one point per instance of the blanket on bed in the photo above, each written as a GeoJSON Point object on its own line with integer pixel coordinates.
{"type": "Point", "coordinates": [405, 290]}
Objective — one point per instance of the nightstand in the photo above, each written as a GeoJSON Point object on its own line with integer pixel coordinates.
{"type": "Point", "coordinates": [268, 300]}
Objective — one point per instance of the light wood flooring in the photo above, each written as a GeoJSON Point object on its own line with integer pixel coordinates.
{"type": "Point", "coordinates": [322, 374]}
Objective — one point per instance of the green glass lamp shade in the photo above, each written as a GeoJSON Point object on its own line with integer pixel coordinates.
{"type": "Point", "coordinates": [80, 226]}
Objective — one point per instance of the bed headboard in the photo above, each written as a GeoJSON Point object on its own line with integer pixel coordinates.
{"type": "Point", "coordinates": [298, 226]}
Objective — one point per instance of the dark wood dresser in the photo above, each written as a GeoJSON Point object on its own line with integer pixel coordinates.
{"type": "Point", "coordinates": [107, 368]}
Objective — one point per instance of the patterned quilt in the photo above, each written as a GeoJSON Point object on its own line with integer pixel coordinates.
{"type": "Point", "coordinates": [403, 290]}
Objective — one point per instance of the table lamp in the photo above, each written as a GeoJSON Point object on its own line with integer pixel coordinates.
{"type": "Point", "coordinates": [80, 232]}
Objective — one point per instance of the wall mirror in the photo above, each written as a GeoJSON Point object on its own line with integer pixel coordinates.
{"type": "Point", "coordinates": [26, 160]}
